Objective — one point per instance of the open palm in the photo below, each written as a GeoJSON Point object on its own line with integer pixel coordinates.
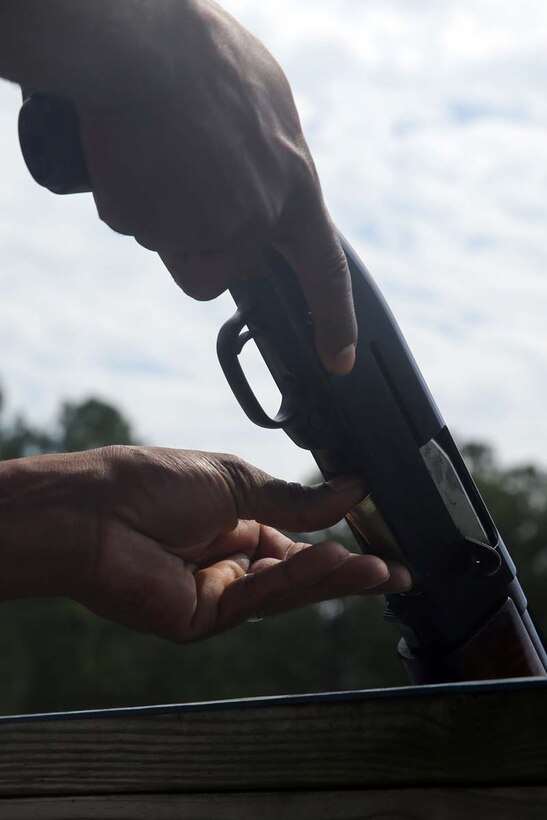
{"type": "Point", "coordinates": [188, 544]}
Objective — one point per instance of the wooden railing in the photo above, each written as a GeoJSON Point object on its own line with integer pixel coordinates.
{"type": "Point", "coordinates": [437, 752]}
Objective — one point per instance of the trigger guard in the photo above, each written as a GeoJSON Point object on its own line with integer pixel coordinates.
{"type": "Point", "coordinates": [230, 343]}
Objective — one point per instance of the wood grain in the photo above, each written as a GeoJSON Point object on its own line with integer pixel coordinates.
{"type": "Point", "coordinates": [403, 804]}
{"type": "Point", "coordinates": [443, 737]}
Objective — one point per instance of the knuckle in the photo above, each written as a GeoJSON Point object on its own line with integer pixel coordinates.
{"type": "Point", "coordinates": [299, 503]}
{"type": "Point", "coordinates": [114, 456]}
{"type": "Point", "coordinates": [295, 494]}
{"type": "Point", "coordinates": [304, 173]}
{"type": "Point", "coordinates": [334, 310]}
{"type": "Point", "coordinates": [195, 276]}
{"type": "Point", "coordinates": [200, 289]}
{"type": "Point", "coordinates": [291, 576]}
{"type": "Point", "coordinates": [239, 478]}
{"type": "Point", "coordinates": [338, 266]}
{"type": "Point", "coordinates": [116, 219]}
{"type": "Point", "coordinates": [234, 465]}
{"type": "Point", "coordinates": [338, 554]}
{"type": "Point", "coordinates": [146, 240]}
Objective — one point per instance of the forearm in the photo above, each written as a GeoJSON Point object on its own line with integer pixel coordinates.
{"type": "Point", "coordinates": [78, 48]}
{"type": "Point", "coordinates": [48, 514]}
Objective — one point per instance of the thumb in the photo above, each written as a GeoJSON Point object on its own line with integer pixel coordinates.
{"type": "Point", "coordinates": [292, 506]}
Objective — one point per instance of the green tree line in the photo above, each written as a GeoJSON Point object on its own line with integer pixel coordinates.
{"type": "Point", "coordinates": [56, 655]}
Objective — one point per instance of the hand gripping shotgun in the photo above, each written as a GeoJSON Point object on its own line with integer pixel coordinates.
{"type": "Point", "coordinates": [466, 616]}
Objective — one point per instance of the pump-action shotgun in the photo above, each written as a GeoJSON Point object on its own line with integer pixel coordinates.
{"type": "Point", "coordinates": [466, 617]}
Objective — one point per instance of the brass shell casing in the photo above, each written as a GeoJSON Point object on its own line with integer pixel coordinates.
{"type": "Point", "coordinates": [367, 521]}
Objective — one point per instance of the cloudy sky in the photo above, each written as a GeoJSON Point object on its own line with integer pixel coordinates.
{"type": "Point", "coordinates": [428, 122]}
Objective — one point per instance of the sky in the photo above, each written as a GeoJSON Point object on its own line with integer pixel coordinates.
{"type": "Point", "coordinates": [428, 123]}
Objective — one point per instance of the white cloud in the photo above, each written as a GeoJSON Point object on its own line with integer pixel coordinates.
{"type": "Point", "coordinates": [428, 122]}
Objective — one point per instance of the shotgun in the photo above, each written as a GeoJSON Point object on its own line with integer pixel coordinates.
{"type": "Point", "coordinates": [466, 617]}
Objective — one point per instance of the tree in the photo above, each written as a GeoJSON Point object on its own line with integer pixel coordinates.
{"type": "Point", "coordinates": [19, 439]}
{"type": "Point", "coordinates": [80, 426]}
{"type": "Point", "coordinates": [517, 499]}
{"type": "Point", "coordinates": [56, 655]}
{"type": "Point", "coordinates": [91, 424]}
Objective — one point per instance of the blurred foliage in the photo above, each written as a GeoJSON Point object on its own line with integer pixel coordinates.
{"type": "Point", "coordinates": [58, 656]}
{"type": "Point", "coordinates": [517, 500]}
{"type": "Point", "coordinates": [91, 423]}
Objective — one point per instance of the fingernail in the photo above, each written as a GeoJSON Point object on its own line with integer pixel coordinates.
{"type": "Point", "coordinates": [347, 484]}
{"type": "Point", "coordinates": [380, 575]}
{"type": "Point", "coordinates": [241, 559]}
{"type": "Point", "coordinates": [343, 362]}
{"type": "Point", "coordinates": [254, 619]}
{"type": "Point", "coordinates": [399, 577]}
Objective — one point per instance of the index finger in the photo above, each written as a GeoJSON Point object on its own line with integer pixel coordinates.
{"type": "Point", "coordinates": [310, 244]}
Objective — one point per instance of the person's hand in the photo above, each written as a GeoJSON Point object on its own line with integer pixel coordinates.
{"type": "Point", "coordinates": [187, 544]}
{"type": "Point", "coordinates": [204, 161]}
{"type": "Point", "coordinates": [177, 543]}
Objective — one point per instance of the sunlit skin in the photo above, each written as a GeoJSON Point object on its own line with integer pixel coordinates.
{"type": "Point", "coordinates": [178, 543]}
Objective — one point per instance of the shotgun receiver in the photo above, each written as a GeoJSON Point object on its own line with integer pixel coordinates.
{"type": "Point", "coordinates": [466, 617]}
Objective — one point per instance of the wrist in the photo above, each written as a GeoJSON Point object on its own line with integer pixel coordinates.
{"type": "Point", "coordinates": [49, 513]}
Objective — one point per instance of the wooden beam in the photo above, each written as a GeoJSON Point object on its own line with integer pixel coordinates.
{"type": "Point", "coordinates": [483, 734]}
{"type": "Point", "coordinates": [402, 804]}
